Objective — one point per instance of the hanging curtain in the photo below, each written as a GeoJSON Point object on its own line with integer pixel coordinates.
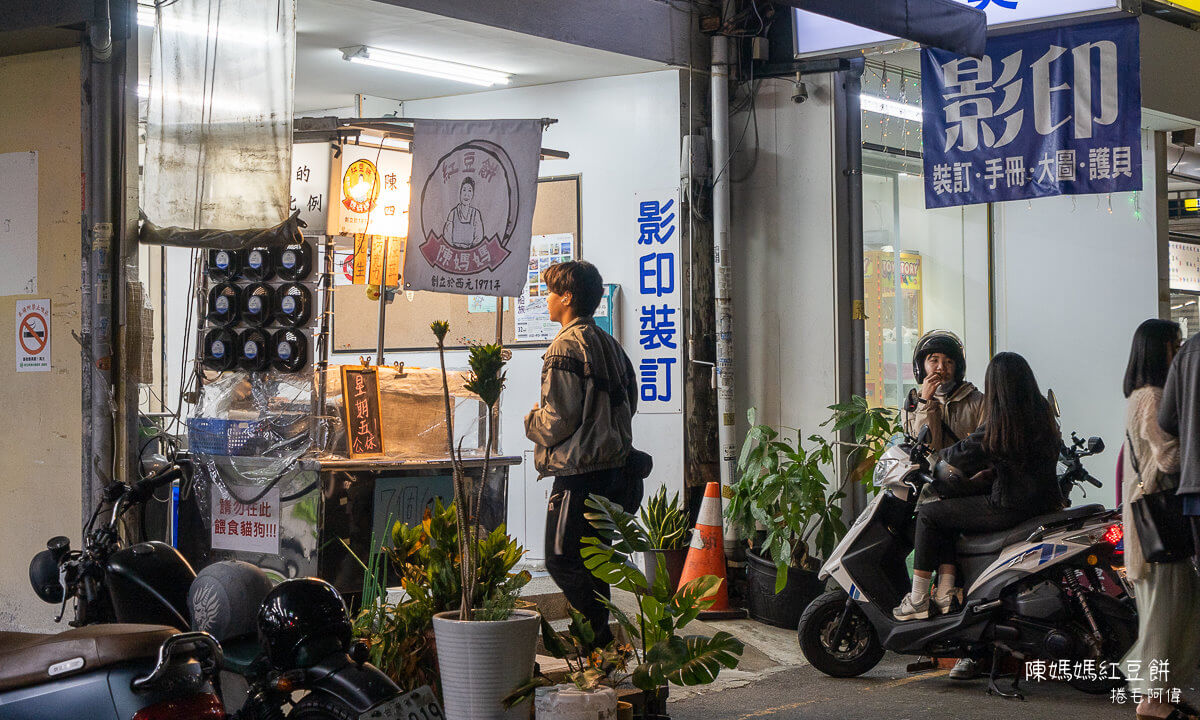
{"type": "Point", "coordinates": [219, 125]}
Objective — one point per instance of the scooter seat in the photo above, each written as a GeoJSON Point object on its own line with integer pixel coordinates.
{"type": "Point", "coordinates": [994, 542]}
{"type": "Point", "coordinates": [28, 659]}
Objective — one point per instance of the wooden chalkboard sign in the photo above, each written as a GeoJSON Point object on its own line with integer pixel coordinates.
{"type": "Point", "coordinates": [364, 421]}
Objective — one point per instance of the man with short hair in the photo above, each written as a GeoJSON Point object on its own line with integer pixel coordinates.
{"type": "Point", "coordinates": [582, 430]}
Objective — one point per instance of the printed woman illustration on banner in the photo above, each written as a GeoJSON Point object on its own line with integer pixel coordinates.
{"type": "Point", "coordinates": [473, 215]}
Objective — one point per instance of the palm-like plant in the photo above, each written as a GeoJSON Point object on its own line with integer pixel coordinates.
{"type": "Point", "coordinates": [664, 656]}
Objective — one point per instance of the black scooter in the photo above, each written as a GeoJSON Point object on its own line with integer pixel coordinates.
{"type": "Point", "coordinates": [299, 637]}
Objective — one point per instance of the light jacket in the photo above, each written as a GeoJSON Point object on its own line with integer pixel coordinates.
{"type": "Point", "coordinates": [962, 411]}
{"type": "Point", "coordinates": [1157, 456]}
{"type": "Point", "coordinates": [589, 395]}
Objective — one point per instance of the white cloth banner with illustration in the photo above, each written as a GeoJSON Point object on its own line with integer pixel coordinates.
{"type": "Point", "coordinates": [470, 218]}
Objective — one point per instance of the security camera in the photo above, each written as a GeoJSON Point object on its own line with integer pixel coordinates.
{"type": "Point", "coordinates": [800, 94]}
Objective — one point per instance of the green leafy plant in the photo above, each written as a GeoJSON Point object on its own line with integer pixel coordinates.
{"type": "Point", "coordinates": [871, 430]}
{"type": "Point", "coordinates": [486, 380]}
{"type": "Point", "coordinates": [665, 521]}
{"type": "Point", "coordinates": [783, 487]}
{"type": "Point", "coordinates": [663, 656]}
{"type": "Point", "coordinates": [427, 559]}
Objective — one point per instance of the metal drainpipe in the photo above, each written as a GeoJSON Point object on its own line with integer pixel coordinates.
{"type": "Point", "coordinates": [101, 253]}
{"type": "Point", "coordinates": [722, 290]}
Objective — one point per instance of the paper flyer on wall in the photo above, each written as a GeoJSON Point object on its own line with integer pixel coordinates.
{"type": "Point", "coordinates": [532, 321]}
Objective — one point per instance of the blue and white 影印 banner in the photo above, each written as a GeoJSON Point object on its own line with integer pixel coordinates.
{"type": "Point", "coordinates": [1051, 112]}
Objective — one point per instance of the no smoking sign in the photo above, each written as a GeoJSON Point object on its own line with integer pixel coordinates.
{"type": "Point", "coordinates": [33, 335]}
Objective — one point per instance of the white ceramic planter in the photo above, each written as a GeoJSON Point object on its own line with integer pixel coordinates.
{"type": "Point", "coordinates": [482, 662]}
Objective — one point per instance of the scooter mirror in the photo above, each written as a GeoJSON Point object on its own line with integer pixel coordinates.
{"type": "Point", "coordinates": [1095, 445]}
{"type": "Point", "coordinates": [1053, 400]}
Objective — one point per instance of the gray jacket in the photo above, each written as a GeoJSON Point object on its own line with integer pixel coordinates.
{"type": "Point", "coordinates": [1179, 413]}
{"type": "Point", "coordinates": [589, 395]}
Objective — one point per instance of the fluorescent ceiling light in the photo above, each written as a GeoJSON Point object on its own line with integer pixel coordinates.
{"type": "Point", "coordinates": [404, 62]}
{"type": "Point", "coordinates": [890, 107]}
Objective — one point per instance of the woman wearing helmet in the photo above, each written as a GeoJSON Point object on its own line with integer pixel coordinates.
{"type": "Point", "coordinates": [949, 405]}
{"type": "Point", "coordinates": [952, 408]}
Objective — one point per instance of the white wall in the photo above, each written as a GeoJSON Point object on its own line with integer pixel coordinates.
{"type": "Point", "coordinates": [623, 134]}
{"type": "Point", "coordinates": [781, 241]}
{"type": "Point", "coordinates": [1073, 283]}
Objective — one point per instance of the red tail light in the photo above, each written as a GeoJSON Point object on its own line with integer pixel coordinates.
{"type": "Point", "coordinates": [1115, 534]}
{"type": "Point", "coordinates": [193, 707]}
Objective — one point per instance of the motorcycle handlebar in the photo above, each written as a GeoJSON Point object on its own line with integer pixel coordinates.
{"type": "Point", "coordinates": [143, 489]}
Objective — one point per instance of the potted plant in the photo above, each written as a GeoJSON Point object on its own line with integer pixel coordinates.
{"type": "Point", "coordinates": [426, 559]}
{"type": "Point", "coordinates": [662, 655]}
{"type": "Point", "coordinates": [659, 654]}
{"type": "Point", "coordinates": [592, 675]}
{"type": "Point", "coordinates": [783, 501]}
{"type": "Point", "coordinates": [666, 525]}
{"type": "Point", "coordinates": [482, 652]}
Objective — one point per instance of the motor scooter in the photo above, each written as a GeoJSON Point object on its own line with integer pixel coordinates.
{"type": "Point", "coordinates": [1034, 591]}
{"type": "Point", "coordinates": [110, 672]}
{"type": "Point", "coordinates": [293, 638]}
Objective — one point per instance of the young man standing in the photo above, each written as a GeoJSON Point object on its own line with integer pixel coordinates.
{"type": "Point", "coordinates": [582, 431]}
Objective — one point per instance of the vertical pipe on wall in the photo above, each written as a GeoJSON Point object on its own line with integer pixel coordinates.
{"type": "Point", "coordinates": [101, 253]}
{"type": "Point", "coordinates": [722, 291]}
{"type": "Point", "coordinates": [848, 250]}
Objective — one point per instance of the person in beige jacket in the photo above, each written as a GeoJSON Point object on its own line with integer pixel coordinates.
{"type": "Point", "coordinates": [582, 432]}
{"type": "Point", "coordinates": [944, 401]}
{"type": "Point", "coordinates": [952, 409]}
{"type": "Point", "coordinates": [1168, 614]}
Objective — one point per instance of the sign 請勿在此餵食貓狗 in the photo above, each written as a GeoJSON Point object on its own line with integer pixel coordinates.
{"type": "Point", "coordinates": [1051, 112]}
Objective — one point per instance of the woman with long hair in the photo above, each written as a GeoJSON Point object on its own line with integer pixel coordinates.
{"type": "Point", "coordinates": [1008, 471]}
{"type": "Point", "coordinates": [1168, 615]}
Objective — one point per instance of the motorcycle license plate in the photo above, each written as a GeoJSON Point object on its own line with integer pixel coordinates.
{"type": "Point", "coordinates": [420, 704]}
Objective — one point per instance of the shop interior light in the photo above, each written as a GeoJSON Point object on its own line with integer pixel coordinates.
{"type": "Point", "coordinates": [890, 107]}
{"type": "Point", "coordinates": [432, 67]}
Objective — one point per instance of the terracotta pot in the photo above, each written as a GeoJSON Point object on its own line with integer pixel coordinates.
{"type": "Point", "coordinates": [624, 710]}
{"type": "Point", "coordinates": [669, 561]}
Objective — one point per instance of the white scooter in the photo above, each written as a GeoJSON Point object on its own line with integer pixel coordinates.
{"type": "Point", "coordinates": [1035, 591]}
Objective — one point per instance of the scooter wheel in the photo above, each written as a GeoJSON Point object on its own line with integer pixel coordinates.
{"type": "Point", "coordinates": [859, 649]}
{"type": "Point", "coordinates": [321, 707]}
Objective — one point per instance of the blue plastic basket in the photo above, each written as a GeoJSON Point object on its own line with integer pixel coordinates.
{"type": "Point", "coordinates": [218, 436]}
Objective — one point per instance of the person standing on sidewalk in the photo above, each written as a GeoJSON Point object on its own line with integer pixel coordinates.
{"type": "Point", "coordinates": [1168, 616]}
{"type": "Point", "coordinates": [582, 430]}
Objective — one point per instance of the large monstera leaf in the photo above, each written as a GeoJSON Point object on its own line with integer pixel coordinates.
{"type": "Point", "coordinates": [618, 527]}
{"type": "Point", "coordinates": [691, 660]}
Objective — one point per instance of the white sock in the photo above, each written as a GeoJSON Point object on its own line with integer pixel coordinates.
{"type": "Point", "coordinates": [920, 589]}
{"type": "Point", "coordinates": [945, 585]}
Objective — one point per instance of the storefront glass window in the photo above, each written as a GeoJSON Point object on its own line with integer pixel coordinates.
{"type": "Point", "coordinates": [942, 283]}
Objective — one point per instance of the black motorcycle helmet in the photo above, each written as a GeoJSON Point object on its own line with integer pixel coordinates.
{"type": "Point", "coordinates": [301, 622]}
{"type": "Point", "coordinates": [944, 342]}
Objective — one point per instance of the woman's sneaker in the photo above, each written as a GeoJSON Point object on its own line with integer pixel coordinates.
{"type": "Point", "coordinates": [947, 603]}
{"type": "Point", "coordinates": [912, 611]}
{"type": "Point", "coordinates": [966, 669]}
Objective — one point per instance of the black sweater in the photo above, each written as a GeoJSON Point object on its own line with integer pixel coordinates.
{"type": "Point", "coordinates": [1031, 484]}
{"type": "Point", "coordinates": [1179, 413]}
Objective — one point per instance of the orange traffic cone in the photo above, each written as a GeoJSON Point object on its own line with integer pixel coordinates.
{"type": "Point", "coordinates": [706, 556]}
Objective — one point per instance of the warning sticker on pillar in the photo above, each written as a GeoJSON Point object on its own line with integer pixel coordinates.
{"type": "Point", "coordinates": [1051, 112]}
{"type": "Point", "coordinates": [655, 239]}
{"type": "Point", "coordinates": [33, 335]}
